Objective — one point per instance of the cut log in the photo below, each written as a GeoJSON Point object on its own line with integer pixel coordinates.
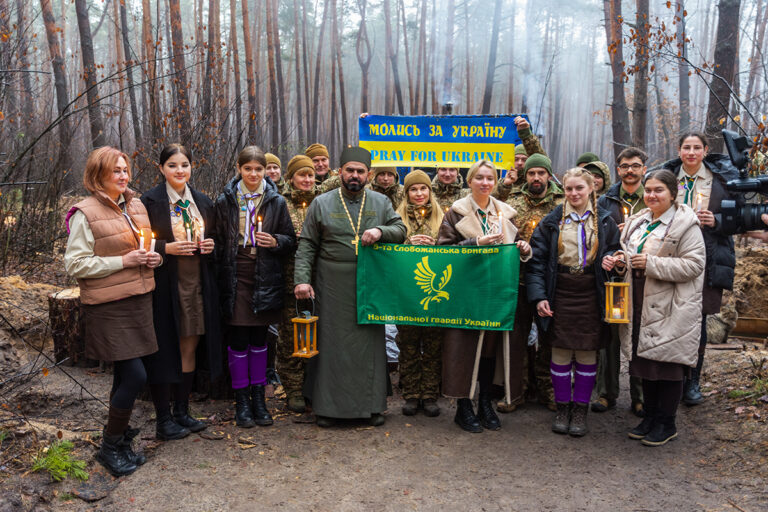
{"type": "Point", "coordinates": [68, 328]}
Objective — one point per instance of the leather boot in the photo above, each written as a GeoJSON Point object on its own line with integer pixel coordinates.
{"type": "Point", "coordinates": [126, 446]}
{"type": "Point", "coordinates": [181, 416]}
{"type": "Point", "coordinates": [261, 415]}
{"type": "Point", "coordinates": [485, 413]}
{"type": "Point", "coordinates": [243, 412]}
{"type": "Point", "coordinates": [112, 456]}
{"type": "Point", "coordinates": [410, 406]}
{"type": "Point", "coordinates": [168, 430]}
{"type": "Point", "coordinates": [663, 431]}
{"type": "Point", "coordinates": [645, 426]}
{"type": "Point", "coordinates": [562, 418]}
{"type": "Point", "coordinates": [578, 426]}
{"type": "Point", "coordinates": [692, 391]}
{"type": "Point", "coordinates": [431, 408]}
{"type": "Point", "coordinates": [377, 419]}
{"type": "Point", "coordinates": [296, 403]}
{"type": "Point", "coordinates": [465, 416]}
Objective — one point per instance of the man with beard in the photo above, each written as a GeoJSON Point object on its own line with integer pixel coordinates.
{"type": "Point", "coordinates": [386, 181]}
{"type": "Point", "coordinates": [321, 160]}
{"type": "Point", "coordinates": [515, 178]}
{"type": "Point", "coordinates": [622, 200]}
{"type": "Point", "coordinates": [540, 195]}
{"type": "Point", "coordinates": [348, 378]}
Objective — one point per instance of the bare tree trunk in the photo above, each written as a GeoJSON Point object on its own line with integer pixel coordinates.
{"type": "Point", "coordinates": [283, 110]}
{"type": "Point", "coordinates": [151, 59]}
{"type": "Point", "coordinates": [273, 103]}
{"type": "Point", "coordinates": [60, 84]}
{"type": "Point", "coordinates": [683, 81]}
{"type": "Point", "coordinates": [236, 66]}
{"type": "Point", "coordinates": [182, 107]}
{"type": "Point", "coordinates": [758, 56]}
{"type": "Point", "coordinates": [210, 63]}
{"type": "Point", "coordinates": [364, 55]}
{"type": "Point", "coordinates": [420, 64]}
{"type": "Point", "coordinates": [26, 102]}
{"type": "Point", "coordinates": [491, 71]}
{"type": "Point", "coordinates": [318, 60]}
{"type": "Point", "coordinates": [412, 100]}
{"type": "Point", "coordinates": [640, 109]}
{"type": "Point", "coordinates": [722, 82]}
{"type": "Point", "coordinates": [342, 94]}
{"type": "Point", "coordinates": [250, 74]}
{"type": "Point", "coordinates": [619, 116]}
{"type": "Point", "coordinates": [448, 71]}
{"type": "Point", "coordinates": [511, 69]}
{"type": "Point", "coordinates": [89, 75]}
{"type": "Point", "coordinates": [297, 60]}
{"type": "Point", "coordinates": [467, 73]}
{"type": "Point", "coordinates": [392, 56]}
{"type": "Point", "coordinates": [305, 64]}
{"type": "Point", "coordinates": [332, 54]}
{"type": "Point", "coordinates": [433, 61]}
{"type": "Point", "coordinates": [129, 62]}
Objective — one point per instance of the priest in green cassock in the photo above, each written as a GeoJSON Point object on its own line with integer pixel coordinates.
{"type": "Point", "coordinates": [348, 378]}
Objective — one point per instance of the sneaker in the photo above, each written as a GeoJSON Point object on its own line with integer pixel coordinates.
{"type": "Point", "coordinates": [602, 404]}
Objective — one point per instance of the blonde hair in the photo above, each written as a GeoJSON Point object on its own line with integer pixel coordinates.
{"type": "Point", "coordinates": [435, 218]}
{"type": "Point", "coordinates": [476, 167]}
{"type": "Point", "coordinates": [580, 172]}
{"type": "Point", "coordinates": [100, 164]}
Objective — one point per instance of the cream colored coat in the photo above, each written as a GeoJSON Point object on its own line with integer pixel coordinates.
{"type": "Point", "coordinates": [671, 317]}
{"type": "Point", "coordinates": [469, 226]}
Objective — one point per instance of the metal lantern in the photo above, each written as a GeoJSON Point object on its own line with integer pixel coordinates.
{"type": "Point", "coordinates": [616, 302]}
{"type": "Point", "coordinates": [305, 334]}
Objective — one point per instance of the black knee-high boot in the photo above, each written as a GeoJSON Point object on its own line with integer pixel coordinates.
{"type": "Point", "coordinates": [181, 404]}
{"type": "Point", "coordinates": [485, 413]}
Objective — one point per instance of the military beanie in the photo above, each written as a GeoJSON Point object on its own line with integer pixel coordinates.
{"type": "Point", "coordinates": [379, 170]}
{"type": "Point", "coordinates": [272, 159]}
{"type": "Point", "coordinates": [415, 177]}
{"type": "Point", "coordinates": [520, 150]}
{"type": "Point", "coordinates": [298, 163]}
{"type": "Point", "coordinates": [538, 160]}
{"type": "Point", "coordinates": [587, 157]}
{"type": "Point", "coordinates": [355, 154]}
{"type": "Point", "coordinates": [317, 150]}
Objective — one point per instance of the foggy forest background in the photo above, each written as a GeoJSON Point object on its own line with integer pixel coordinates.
{"type": "Point", "coordinates": [220, 74]}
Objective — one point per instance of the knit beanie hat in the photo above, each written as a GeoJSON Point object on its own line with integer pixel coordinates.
{"type": "Point", "coordinates": [520, 150]}
{"type": "Point", "coordinates": [317, 150]}
{"type": "Point", "coordinates": [538, 160]}
{"type": "Point", "coordinates": [298, 163]}
{"type": "Point", "coordinates": [414, 177]}
{"type": "Point", "coordinates": [272, 159]}
{"type": "Point", "coordinates": [587, 157]}
{"type": "Point", "coordinates": [379, 170]}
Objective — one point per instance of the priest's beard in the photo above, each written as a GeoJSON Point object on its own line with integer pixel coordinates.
{"type": "Point", "coordinates": [354, 185]}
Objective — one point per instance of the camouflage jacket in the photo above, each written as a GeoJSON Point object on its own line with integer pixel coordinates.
{"type": "Point", "coordinates": [532, 145]}
{"type": "Point", "coordinates": [531, 210]}
{"type": "Point", "coordinates": [298, 202]}
{"type": "Point", "coordinates": [446, 195]}
{"type": "Point", "coordinates": [416, 223]}
{"type": "Point", "coordinates": [332, 183]}
{"type": "Point", "coordinates": [395, 193]}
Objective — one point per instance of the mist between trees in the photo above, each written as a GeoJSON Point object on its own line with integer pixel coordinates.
{"type": "Point", "coordinates": [218, 75]}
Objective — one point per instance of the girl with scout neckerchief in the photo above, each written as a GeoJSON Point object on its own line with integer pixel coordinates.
{"type": "Point", "coordinates": [419, 360]}
{"type": "Point", "coordinates": [254, 236]}
{"type": "Point", "coordinates": [566, 283]}
{"type": "Point", "coordinates": [185, 305]}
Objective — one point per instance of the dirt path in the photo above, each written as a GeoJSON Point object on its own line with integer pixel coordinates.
{"type": "Point", "coordinates": [421, 463]}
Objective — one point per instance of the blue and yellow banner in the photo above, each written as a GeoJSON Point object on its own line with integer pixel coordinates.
{"type": "Point", "coordinates": [439, 141]}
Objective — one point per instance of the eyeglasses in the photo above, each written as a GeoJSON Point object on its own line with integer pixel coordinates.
{"type": "Point", "coordinates": [634, 167]}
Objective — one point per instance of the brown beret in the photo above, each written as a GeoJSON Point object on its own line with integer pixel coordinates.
{"type": "Point", "coordinates": [298, 163]}
{"type": "Point", "coordinates": [317, 150]}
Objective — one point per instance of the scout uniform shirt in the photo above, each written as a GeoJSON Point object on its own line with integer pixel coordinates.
{"type": "Point", "coordinates": [577, 235]}
{"type": "Point", "coordinates": [182, 215]}
{"type": "Point", "coordinates": [695, 190]}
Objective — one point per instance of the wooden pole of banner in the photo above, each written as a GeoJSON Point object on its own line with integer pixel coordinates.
{"type": "Point", "coordinates": [507, 392]}
{"type": "Point", "coordinates": [477, 365]}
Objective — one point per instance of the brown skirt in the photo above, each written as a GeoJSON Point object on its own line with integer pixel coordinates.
{"type": "Point", "coordinates": [120, 330]}
{"type": "Point", "coordinates": [191, 316]}
{"type": "Point", "coordinates": [639, 366]}
{"type": "Point", "coordinates": [575, 321]}
{"type": "Point", "coordinates": [243, 314]}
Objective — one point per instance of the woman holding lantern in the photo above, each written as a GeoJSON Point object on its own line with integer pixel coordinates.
{"type": "Point", "coordinates": [565, 283]}
{"type": "Point", "coordinates": [114, 271]}
{"type": "Point", "coordinates": [254, 236]}
{"type": "Point", "coordinates": [663, 259]}
{"type": "Point", "coordinates": [420, 346]}
{"type": "Point", "coordinates": [477, 219]}
{"type": "Point", "coordinates": [185, 304]}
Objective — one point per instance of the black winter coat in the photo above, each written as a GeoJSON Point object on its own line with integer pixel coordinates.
{"type": "Point", "coordinates": [269, 291]}
{"type": "Point", "coordinates": [541, 269]}
{"type": "Point", "coordinates": [611, 202]}
{"type": "Point", "coordinates": [721, 257]}
{"type": "Point", "coordinates": [164, 366]}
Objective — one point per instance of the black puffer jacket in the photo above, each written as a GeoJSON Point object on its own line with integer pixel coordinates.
{"type": "Point", "coordinates": [541, 270]}
{"type": "Point", "coordinates": [268, 292]}
{"type": "Point", "coordinates": [721, 257]}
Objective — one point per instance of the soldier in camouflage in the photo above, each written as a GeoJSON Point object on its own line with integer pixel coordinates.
{"type": "Point", "coordinates": [513, 182]}
{"type": "Point", "coordinates": [386, 181]}
{"type": "Point", "coordinates": [299, 191]}
{"type": "Point", "coordinates": [448, 187]}
{"type": "Point", "coordinates": [420, 347]}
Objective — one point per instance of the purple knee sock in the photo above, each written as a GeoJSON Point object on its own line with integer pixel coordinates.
{"type": "Point", "coordinates": [257, 365]}
{"type": "Point", "coordinates": [561, 381]}
{"type": "Point", "coordinates": [238, 367]}
{"type": "Point", "coordinates": [586, 374]}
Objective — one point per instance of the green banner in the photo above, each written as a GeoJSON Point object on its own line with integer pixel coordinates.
{"type": "Point", "coordinates": [465, 287]}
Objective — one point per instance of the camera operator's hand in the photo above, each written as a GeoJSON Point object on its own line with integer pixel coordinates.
{"type": "Point", "coordinates": [761, 235]}
{"type": "Point", "coordinates": [706, 217]}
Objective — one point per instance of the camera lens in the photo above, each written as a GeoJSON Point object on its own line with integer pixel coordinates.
{"type": "Point", "coordinates": [750, 217]}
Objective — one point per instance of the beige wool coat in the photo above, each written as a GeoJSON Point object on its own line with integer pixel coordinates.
{"type": "Point", "coordinates": [674, 278]}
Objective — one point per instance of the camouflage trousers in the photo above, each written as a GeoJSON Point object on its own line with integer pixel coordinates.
{"type": "Point", "coordinates": [420, 361]}
{"type": "Point", "coordinates": [291, 369]}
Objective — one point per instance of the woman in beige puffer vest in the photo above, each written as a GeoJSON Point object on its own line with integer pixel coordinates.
{"type": "Point", "coordinates": [663, 259]}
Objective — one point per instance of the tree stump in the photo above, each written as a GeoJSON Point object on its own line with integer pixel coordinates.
{"type": "Point", "coordinates": [68, 328]}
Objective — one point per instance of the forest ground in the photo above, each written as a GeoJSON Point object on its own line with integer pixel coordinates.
{"type": "Point", "coordinates": [411, 463]}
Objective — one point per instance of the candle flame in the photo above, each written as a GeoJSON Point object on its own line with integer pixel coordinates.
{"type": "Point", "coordinates": [626, 212]}
{"type": "Point", "coordinates": [303, 205]}
{"type": "Point", "coordinates": [259, 218]}
{"type": "Point", "coordinates": [153, 234]}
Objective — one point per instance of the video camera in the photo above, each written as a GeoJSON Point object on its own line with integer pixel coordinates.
{"type": "Point", "coordinates": [737, 215]}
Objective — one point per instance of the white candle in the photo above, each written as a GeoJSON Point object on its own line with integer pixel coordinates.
{"type": "Point", "coordinates": [259, 229]}
{"type": "Point", "coordinates": [202, 230]}
{"type": "Point", "coordinates": [501, 226]}
{"type": "Point", "coordinates": [698, 202]}
{"type": "Point", "coordinates": [616, 313]}
{"type": "Point", "coordinates": [189, 233]}
{"type": "Point", "coordinates": [626, 215]}
{"type": "Point", "coordinates": [152, 244]}
{"type": "Point", "coordinates": [141, 240]}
